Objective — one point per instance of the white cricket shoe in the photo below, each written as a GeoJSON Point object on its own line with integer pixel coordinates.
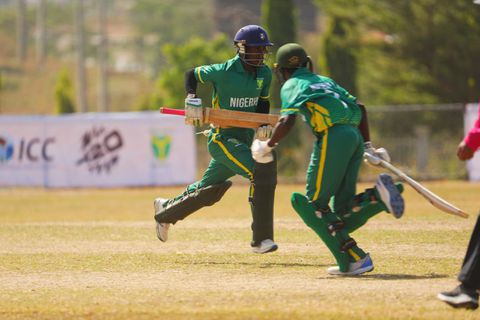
{"type": "Point", "coordinates": [355, 268]}
{"type": "Point", "coordinates": [460, 298]}
{"type": "Point", "coordinates": [161, 228]}
{"type": "Point", "coordinates": [390, 195]}
{"type": "Point", "coordinates": [265, 246]}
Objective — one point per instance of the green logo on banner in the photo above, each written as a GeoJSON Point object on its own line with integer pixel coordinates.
{"type": "Point", "coordinates": [161, 146]}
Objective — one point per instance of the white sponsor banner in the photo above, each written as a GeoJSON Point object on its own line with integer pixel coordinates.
{"type": "Point", "coordinates": [473, 165]}
{"type": "Point", "coordinates": [96, 150]}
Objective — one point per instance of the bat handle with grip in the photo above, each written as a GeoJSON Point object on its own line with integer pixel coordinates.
{"type": "Point", "coordinates": [177, 112]}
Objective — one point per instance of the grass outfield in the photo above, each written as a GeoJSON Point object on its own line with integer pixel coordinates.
{"type": "Point", "coordinates": [93, 254]}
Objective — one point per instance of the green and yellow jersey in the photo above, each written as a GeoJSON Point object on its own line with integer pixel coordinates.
{"type": "Point", "coordinates": [236, 89]}
{"type": "Point", "coordinates": [321, 101]}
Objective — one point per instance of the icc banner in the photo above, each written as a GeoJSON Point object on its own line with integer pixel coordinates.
{"type": "Point", "coordinates": [96, 150]}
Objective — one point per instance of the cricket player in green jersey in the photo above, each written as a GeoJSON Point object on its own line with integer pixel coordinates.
{"type": "Point", "coordinates": [330, 206]}
{"type": "Point", "coordinates": [242, 84]}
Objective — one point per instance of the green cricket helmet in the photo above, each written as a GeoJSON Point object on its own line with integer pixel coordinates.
{"type": "Point", "coordinates": [291, 56]}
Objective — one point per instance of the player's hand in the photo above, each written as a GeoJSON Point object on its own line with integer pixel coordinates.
{"type": "Point", "coordinates": [264, 132]}
{"type": "Point", "coordinates": [261, 152]}
{"type": "Point", "coordinates": [193, 111]}
{"type": "Point", "coordinates": [374, 156]}
{"type": "Point", "coordinates": [464, 152]}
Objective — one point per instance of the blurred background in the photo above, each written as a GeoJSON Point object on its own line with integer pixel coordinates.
{"type": "Point", "coordinates": [414, 64]}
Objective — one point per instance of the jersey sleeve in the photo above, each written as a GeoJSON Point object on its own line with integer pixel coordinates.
{"type": "Point", "coordinates": [265, 93]}
{"type": "Point", "coordinates": [208, 73]}
{"type": "Point", "coordinates": [290, 96]}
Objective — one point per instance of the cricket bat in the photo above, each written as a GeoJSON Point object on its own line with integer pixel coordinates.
{"type": "Point", "coordinates": [434, 199]}
{"type": "Point", "coordinates": [230, 118]}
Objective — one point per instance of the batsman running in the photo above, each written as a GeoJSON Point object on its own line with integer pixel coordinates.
{"type": "Point", "coordinates": [340, 126]}
{"type": "Point", "coordinates": [240, 84]}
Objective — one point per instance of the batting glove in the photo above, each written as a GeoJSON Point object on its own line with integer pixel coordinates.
{"type": "Point", "coordinates": [193, 111]}
{"type": "Point", "coordinates": [264, 132]}
{"type": "Point", "coordinates": [261, 152]}
{"type": "Point", "coordinates": [374, 156]}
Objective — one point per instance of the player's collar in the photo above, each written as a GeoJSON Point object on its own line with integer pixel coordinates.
{"type": "Point", "coordinates": [237, 64]}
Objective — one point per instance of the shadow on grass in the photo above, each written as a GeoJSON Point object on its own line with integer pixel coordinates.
{"type": "Point", "coordinates": [253, 263]}
{"type": "Point", "coordinates": [386, 276]}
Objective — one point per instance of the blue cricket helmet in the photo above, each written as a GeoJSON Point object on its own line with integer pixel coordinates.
{"type": "Point", "coordinates": [252, 36]}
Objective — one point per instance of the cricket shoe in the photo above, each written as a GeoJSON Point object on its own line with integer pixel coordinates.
{"type": "Point", "coordinates": [265, 246]}
{"type": "Point", "coordinates": [460, 297]}
{"type": "Point", "coordinates": [161, 227]}
{"type": "Point", "coordinates": [355, 268]}
{"type": "Point", "coordinates": [390, 195]}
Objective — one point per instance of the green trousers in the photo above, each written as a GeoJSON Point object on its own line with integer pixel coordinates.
{"type": "Point", "coordinates": [331, 187]}
{"type": "Point", "coordinates": [333, 170]}
{"type": "Point", "coordinates": [233, 157]}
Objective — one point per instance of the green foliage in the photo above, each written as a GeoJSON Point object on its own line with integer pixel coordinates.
{"type": "Point", "coordinates": [169, 88]}
{"type": "Point", "coordinates": [160, 22]}
{"type": "Point", "coordinates": [406, 84]}
{"type": "Point", "coordinates": [421, 50]}
{"type": "Point", "coordinates": [280, 20]}
{"type": "Point", "coordinates": [64, 94]}
{"type": "Point", "coordinates": [340, 53]}
{"type": "Point", "coordinates": [8, 20]}
{"type": "Point", "coordinates": [154, 100]}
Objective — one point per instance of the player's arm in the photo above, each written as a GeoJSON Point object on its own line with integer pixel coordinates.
{"type": "Point", "coordinates": [193, 104]}
{"type": "Point", "coordinates": [264, 131]}
{"type": "Point", "coordinates": [263, 106]}
{"type": "Point", "coordinates": [262, 150]}
{"type": "Point", "coordinates": [363, 126]}
{"type": "Point", "coordinates": [282, 128]}
{"type": "Point", "coordinates": [372, 155]}
{"type": "Point", "coordinates": [191, 83]}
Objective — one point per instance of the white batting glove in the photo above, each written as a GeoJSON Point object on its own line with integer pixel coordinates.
{"type": "Point", "coordinates": [373, 156]}
{"type": "Point", "coordinates": [193, 111]}
{"type": "Point", "coordinates": [264, 132]}
{"type": "Point", "coordinates": [261, 152]}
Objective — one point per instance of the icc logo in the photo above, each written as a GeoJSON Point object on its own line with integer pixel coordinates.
{"type": "Point", "coordinates": [161, 146]}
{"type": "Point", "coordinates": [6, 149]}
{"type": "Point", "coordinates": [27, 150]}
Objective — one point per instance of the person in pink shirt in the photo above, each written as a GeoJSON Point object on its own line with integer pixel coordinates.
{"type": "Point", "coordinates": [465, 295]}
{"type": "Point", "coordinates": [471, 142]}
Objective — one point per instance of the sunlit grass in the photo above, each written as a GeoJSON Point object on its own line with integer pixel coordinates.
{"type": "Point", "coordinates": [94, 254]}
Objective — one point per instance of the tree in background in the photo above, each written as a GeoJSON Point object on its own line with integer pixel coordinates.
{"type": "Point", "coordinates": [161, 22]}
{"type": "Point", "coordinates": [280, 20]}
{"type": "Point", "coordinates": [169, 88]}
{"type": "Point", "coordinates": [414, 51]}
{"type": "Point", "coordinates": [339, 49]}
{"type": "Point", "coordinates": [64, 93]}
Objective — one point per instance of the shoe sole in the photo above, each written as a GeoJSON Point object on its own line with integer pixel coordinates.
{"type": "Point", "coordinates": [395, 204]}
{"type": "Point", "coordinates": [271, 249]}
{"type": "Point", "coordinates": [353, 273]}
{"type": "Point", "coordinates": [158, 205]}
{"type": "Point", "coordinates": [466, 305]}
{"type": "Point", "coordinates": [471, 305]}
{"type": "Point", "coordinates": [160, 236]}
